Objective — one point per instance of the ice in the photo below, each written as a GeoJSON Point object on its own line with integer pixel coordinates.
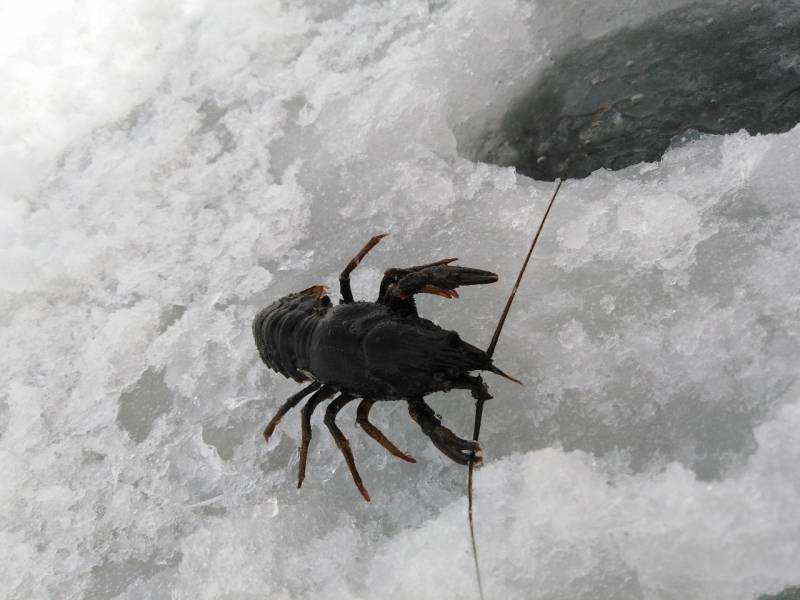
{"type": "Point", "coordinates": [169, 170]}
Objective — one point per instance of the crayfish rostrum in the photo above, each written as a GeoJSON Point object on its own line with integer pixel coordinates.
{"type": "Point", "coordinates": [375, 351]}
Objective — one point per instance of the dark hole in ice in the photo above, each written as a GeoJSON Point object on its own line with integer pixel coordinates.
{"type": "Point", "coordinates": [790, 593]}
{"type": "Point", "coordinates": [621, 99]}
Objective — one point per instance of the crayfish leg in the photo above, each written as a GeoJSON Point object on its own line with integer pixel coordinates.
{"type": "Point", "coordinates": [362, 418]}
{"type": "Point", "coordinates": [341, 441]}
{"type": "Point", "coordinates": [305, 424]}
{"type": "Point", "coordinates": [344, 277]}
{"type": "Point", "coordinates": [293, 401]}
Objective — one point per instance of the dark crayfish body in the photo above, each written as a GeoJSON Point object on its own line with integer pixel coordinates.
{"type": "Point", "coordinates": [364, 347]}
{"type": "Point", "coordinates": [375, 351]}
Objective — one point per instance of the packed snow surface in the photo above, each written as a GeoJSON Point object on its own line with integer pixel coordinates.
{"type": "Point", "coordinates": [170, 168]}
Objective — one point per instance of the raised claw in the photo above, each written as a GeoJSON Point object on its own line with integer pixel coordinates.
{"type": "Point", "coordinates": [443, 279]}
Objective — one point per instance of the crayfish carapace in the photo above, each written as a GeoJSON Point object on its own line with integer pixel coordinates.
{"type": "Point", "coordinates": [375, 351]}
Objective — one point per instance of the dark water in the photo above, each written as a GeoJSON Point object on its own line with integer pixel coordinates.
{"type": "Point", "coordinates": [790, 593]}
{"type": "Point", "coordinates": [621, 99]}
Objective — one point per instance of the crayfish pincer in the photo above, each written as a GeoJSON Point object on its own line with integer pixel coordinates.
{"type": "Point", "coordinates": [375, 351]}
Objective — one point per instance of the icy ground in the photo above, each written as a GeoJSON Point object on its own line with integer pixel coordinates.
{"type": "Point", "coordinates": [170, 168]}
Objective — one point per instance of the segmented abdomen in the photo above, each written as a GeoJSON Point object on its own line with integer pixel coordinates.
{"type": "Point", "coordinates": [284, 330]}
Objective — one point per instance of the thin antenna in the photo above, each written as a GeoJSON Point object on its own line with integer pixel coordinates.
{"type": "Point", "coordinates": [496, 336]}
{"type": "Point", "coordinates": [479, 403]}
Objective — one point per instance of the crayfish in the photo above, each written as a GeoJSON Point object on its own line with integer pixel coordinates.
{"type": "Point", "coordinates": [376, 351]}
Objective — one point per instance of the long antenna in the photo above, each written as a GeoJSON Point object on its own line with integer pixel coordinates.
{"type": "Point", "coordinates": [479, 403]}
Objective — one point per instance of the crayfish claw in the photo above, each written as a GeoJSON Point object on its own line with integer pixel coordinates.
{"type": "Point", "coordinates": [475, 456]}
{"type": "Point", "coordinates": [455, 448]}
{"type": "Point", "coordinates": [442, 280]}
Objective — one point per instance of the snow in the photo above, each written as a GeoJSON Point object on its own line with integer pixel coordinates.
{"type": "Point", "coordinates": [169, 169]}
